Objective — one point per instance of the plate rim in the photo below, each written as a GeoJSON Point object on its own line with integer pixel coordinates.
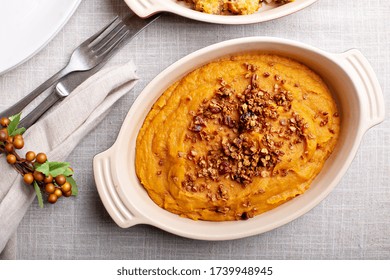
{"type": "Point", "coordinates": [156, 6]}
{"type": "Point", "coordinates": [75, 5]}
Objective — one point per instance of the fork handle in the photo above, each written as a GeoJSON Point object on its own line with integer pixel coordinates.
{"type": "Point", "coordinates": [21, 104]}
{"type": "Point", "coordinates": [35, 114]}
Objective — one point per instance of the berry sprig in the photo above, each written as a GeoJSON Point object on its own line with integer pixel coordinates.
{"type": "Point", "coordinates": [54, 179]}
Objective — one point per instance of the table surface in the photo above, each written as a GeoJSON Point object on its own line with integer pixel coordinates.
{"type": "Point", "coordinates": [353, 222]}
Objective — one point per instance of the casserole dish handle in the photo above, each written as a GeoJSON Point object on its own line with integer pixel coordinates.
{"type": "Point", "coordinates": [145, 8]}
{"type": "Point", "coordinates": [106, 184]}
{"type": "Point", "coordinates": [369, 89]}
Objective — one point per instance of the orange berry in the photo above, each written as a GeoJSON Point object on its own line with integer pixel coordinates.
{"type": "Point", "coordinates": [50, 188]}
{"type": "Point", "coordinates": [48, 179]}
{"type": "Point", "coordinates": [19, 136]}
{"type": "Point", "coordinates": [66, 187]}
{"type": "Point", "coordinates": [5, 122]}
{"type": "Point", "coordinates": [60, 180]}
{"type": "Point", "coordinates": [11, 159]}
{"type": "Point", "coordinates": [52, 198]}
{"type": "Point", "coordinates": [38, 176]}
{"type": "Point", "coordinates": [3, 135]}
{"type": "Point", "coordinates": [18, 143]}
{"type": "Point", "coordinates": [30, 156]}
{"type": "Point", "coordinates": [9, 147]}
{"type": "Point", "coordinates": [28, 178]}
{"type": "Point", "coordinates": [67, 194]}
{"type": "Point", "coordinates": [58, 192]}
{"type": "Point", "coordinates": [41, 158]}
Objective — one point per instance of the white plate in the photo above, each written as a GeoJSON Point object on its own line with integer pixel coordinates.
{"type": "Point", "coordinates": [146, 8]}
{"type": "Point", "coordinates": [26, 26]}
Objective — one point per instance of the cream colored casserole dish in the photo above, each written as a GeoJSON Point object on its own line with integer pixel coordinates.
{"type": "Point", "coordinates": [353, 84]}
{"type": "Point", "coordinates": [146, 8]}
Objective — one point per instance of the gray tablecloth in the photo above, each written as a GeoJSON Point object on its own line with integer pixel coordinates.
{"type": "Point", "coordinates": [353, 222]}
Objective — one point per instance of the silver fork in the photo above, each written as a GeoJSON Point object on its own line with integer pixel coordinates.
{"type": "Point", "coordinates": [85, 57]}
{"type": "Point", "coordinates": [67, 84]}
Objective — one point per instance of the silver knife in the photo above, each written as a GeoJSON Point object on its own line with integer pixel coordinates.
{"type": "Point", "coordinates": [67, 84]}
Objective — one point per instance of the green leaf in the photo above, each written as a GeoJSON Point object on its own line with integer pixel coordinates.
{"type": "Point", "coordinates": [15, 116]}
{"type": "Point", "coordinates": [13, 124]}
{"type": "Point", "coordinates": [54, 168]}
{"type": "Point", "coordinates": [75, 190]}
{"type": "Point", "coordinates": [43, 168]}
{"type": "Point", "coordinates": [58, 168]}
{"type": "Point", "coordinates": [20, 131]}
{"type": "Point", "coordinates": [39, 194]}
{"type": "Point", "coordinates": [68, 172]}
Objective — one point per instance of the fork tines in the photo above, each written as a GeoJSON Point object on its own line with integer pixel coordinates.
{"type": "Point", "coordinates": [109, 37]}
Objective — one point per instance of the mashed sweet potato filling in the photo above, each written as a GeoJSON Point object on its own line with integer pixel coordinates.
{"type": "Point", "coordinates": [237, 137]}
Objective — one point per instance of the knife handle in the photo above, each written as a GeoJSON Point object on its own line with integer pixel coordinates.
{"type": "Point", "coordinates": [21, 104]}
{"type": "Point", "coordinates": [35, 114]}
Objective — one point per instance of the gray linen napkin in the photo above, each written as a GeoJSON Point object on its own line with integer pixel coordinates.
{"type": "Point", "coordinates": [57, 134]}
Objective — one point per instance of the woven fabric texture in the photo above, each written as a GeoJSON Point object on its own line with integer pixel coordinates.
{"type": "Point", "coordinates": [353, 222]}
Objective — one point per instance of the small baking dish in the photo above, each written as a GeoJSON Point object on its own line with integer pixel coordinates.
{"type": "Point", "coordinates": [355, 89]}
{"type": "Point", "coordinates": [146, 8]}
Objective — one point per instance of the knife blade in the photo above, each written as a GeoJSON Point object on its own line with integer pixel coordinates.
{"type": "Point", "coordinates": [67, 84]}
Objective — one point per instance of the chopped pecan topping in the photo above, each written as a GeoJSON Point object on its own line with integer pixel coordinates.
{"type": "Point", "coordinates": [250, 67]}
{"type": "Point", "coordinates": [324, 121]}
{"type": "Point", "coordinates": [225, 91]}
{"type": "Point", "coordinates": [237, 154]}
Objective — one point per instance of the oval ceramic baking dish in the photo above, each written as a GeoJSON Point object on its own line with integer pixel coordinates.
{"type": "Point", "coordinates": [348, 75]}
{"type": "Point", "coordinates": [146, 8]}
